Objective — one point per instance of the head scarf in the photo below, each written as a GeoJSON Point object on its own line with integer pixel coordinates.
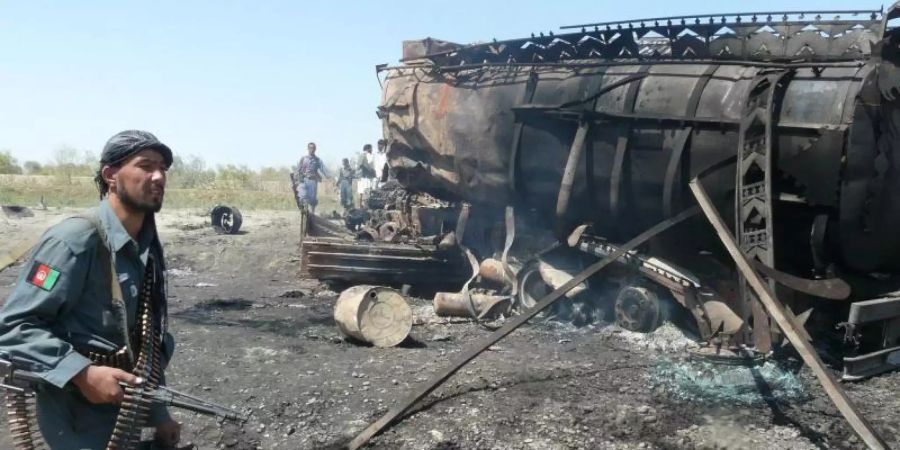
{"type": "Point", "coordinates": [126, 144]}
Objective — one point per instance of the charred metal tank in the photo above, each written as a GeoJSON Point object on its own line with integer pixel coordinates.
{"type": "Point", "coordinates": [607, 124]}
{"type": "Point", "coordinates": [658, 102]}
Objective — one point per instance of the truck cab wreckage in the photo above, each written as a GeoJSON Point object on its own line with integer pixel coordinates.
{"type": "Point", "coordinates": [789, 121]}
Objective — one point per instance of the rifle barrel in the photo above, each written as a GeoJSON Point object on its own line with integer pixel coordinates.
{"type": "Point", "coordinates": [11, 377]}
{"type": "Point", "coordinates": [217, 411]}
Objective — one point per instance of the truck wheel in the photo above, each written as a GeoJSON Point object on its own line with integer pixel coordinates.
{"type": "Point", "coordinates": [639, 309]}
{"type": "Point", "coordinates": [226, 220]}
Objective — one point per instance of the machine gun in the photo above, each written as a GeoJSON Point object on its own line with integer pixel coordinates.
{"type": "Point", "coordinates": [14, 378]}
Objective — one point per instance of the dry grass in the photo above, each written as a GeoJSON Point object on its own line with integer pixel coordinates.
{"type": "Point", "coordinates": [56, 191]}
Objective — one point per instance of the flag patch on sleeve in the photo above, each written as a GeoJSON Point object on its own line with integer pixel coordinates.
{"type": "Point", "coordinates": [43, 276]}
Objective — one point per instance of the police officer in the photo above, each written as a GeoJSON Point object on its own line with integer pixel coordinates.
{"type": "Point", "coordinates": [311, 170]}
{"type": "Point", "coordinates": [62, 314]}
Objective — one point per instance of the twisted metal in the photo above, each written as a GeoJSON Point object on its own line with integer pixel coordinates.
{"type": "Point", "coordinates": [756, 36]}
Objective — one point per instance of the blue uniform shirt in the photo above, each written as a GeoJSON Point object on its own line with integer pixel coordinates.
{"type": "Point", "coordinates": [312, 168]}
{"type": "Point", "coordinates": [62, 302]}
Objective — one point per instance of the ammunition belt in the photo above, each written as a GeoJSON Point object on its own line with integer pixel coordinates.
{"type": "Point", "coordinates": [134, 411]}
{"type": "Point", "coordinates": [118, 359]}
{"type": "Point", "coordinates": [22, 420]}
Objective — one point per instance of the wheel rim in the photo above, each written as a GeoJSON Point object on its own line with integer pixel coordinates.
{"type": "Point", "coordinates": [637, 309]}
{"type": "Point", "coordinates": [531, 289]}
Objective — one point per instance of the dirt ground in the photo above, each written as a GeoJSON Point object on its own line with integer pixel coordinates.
{"type": "Point", "coordinates": [254, 336]}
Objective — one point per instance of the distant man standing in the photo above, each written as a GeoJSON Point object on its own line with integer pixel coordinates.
{"type": "Point", "coordinates": [366, 170]}
{"type": "Point", "coordinates": [345, 184]}
{"type": "Point", "coordinates": [311, 171]}
{"type": "Point", "coordinates": [381, 166]}
{"type": "Point", "coordinates": [89, 310]}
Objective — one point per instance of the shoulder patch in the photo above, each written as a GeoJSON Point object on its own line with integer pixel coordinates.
{"type": "Point", "coordinates": [43, 276]}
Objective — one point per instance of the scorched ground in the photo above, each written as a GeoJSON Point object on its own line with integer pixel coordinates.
{"type": "Point", "coordinates": [252, 335]}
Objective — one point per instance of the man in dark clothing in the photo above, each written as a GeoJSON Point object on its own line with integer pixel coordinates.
{"type": "Point", "coordinates": [365, 170]}
{"type": "Point", "coordinates": [345, 184]}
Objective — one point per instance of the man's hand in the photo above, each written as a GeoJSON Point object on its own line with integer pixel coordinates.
{"type": "Point", "coordinates": [100, 384]}
{"type": "Point", "coordinates": [168, 433]}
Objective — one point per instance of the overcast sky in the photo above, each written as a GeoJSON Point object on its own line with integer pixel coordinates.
{"type": "Point", "coordinates": [249, 82]}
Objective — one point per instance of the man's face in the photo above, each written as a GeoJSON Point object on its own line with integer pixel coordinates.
{"type": "Point", "coordinates": [311, 149]}
{"type": "Point", "coordinates": [140, 182]}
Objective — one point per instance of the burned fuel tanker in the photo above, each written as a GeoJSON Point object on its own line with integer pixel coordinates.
{"type": "Point", "coordinates": [791, 119]}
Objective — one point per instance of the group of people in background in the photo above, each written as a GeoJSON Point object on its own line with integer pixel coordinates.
{"type": "Point", "coordinates": [370, 171]}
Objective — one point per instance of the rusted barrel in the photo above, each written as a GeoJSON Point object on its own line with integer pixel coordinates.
{"type": "Point", "coordinates": [556, 277]}
{"type": "Point", "coordinates": [492, 270]}
{"type": "Point", "coordinates": [455, 304]}
{"type": "Point", "coordinates": [373, 314]}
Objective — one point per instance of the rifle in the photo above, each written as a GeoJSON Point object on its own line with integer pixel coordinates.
{"type": "Point", "coordinates": [14, 378]}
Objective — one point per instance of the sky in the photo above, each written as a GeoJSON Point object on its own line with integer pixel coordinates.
{"type": "Point", "coordinates": [250, 82]}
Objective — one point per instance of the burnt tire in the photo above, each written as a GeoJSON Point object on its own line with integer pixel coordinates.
{"type": "Point", "coordinates": [226, 219]}
{"type": "Point", "coordinates": [639, 309]}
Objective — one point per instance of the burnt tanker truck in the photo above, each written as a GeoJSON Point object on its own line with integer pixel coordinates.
{"type": "Point", "coordinates": [791, 119]}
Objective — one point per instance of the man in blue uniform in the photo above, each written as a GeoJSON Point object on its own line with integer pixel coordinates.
{"type": "Point", "coordinates": [311, 170]}
{"type": "Point", "coordinates": [64, 319]}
